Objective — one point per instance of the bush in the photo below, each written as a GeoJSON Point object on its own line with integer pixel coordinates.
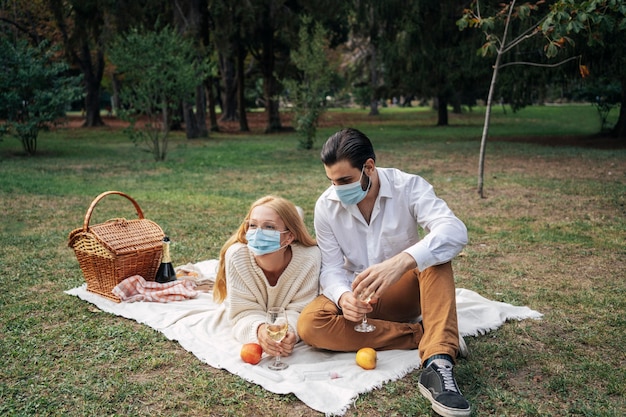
{"type": "Point", "coordinates": [158, 70]}
{"type": "Point", "coordinates": [34, 92]}
{"type": "Point", "coordinates": [604, 94]}
{"type": "Point", "coordinates": [308, 93]}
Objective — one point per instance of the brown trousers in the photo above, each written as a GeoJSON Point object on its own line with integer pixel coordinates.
{"type": "Point", "coordinates": [430, 293]}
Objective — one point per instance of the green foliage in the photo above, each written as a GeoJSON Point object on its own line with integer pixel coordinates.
{"type": "Point", "coordinates": [597, 18]}
{"type": "Point", "coordinates": [308, 94]}
{"type": "Point", "coordinates": [604, 94]}
{"type": "Point", "coordinates": [158, 69]}
{"type": "Point", "coordinates": [34, 91]}
{"type": "Point", "coordinates": [362, 95]}
{"type": "Point", "coordinates": [425, 55]}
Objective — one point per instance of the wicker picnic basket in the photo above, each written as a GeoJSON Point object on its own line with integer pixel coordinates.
{"type": "Point", "coordinates": [114, 250]}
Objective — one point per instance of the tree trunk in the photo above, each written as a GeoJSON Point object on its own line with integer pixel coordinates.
{"type": "Point", "coordinates": [619, 130]}
{"type": "Point", "coordinates": [195, 122]}
{"type": "Point", "coordinates": [241, 89]}
{"type": "Point", "coordinates": [457, 106]}
{"type": "Point", "coordinates": [492, 88]}
{"type": "Point", "coordinates": [203, 132]}
{"type": "Point", "coordinates": [191, 124]}
{"type": "Point", "coordinates": [270, 84]}
{"type": "Point", "coordinates": [229, 97]}
{"type": "Point", "coordinates": [92, 72]}
{"type": "Point", "coordinates": [29, 141]}
{"type": "Point", "coordinates": [442, 110]}
{"type": "Point", "coordinates": [211, 104]}
{"type": "Point", "coordinates": [81, 56]}
{"type": "Point", "coordinates": [178, 118]}
{"type": "Point", "coordinates": [92, 106]}
{"type": "Point", "coordinates": [483, 141]}
{"type": "Point", "coordinates": [373, 82]}
{"type": "Point", "coordinates": [271, 106]}
{"type": "Point", "coordinates": [374, 107]}
{"type": "Point", "coordinates": [115, 101]}
{"type": "Point", "coordinates": [205, 91]}
{"type": "Point", "coordinates": [160, 138]}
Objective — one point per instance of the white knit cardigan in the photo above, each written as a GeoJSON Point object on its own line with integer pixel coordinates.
{"type": "Point", "coordinates": [249, 294]}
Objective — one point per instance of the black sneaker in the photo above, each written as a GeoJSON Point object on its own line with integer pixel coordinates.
{"type": "Point", "coordinates": [438, 385]}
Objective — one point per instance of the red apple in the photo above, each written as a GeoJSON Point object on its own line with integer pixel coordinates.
{"type": "Point", "coordinates": [251, 353]}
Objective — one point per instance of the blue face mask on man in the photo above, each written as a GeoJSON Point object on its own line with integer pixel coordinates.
{"type": "Point", "coordinates": [353, 193]}
{"type": "Point", "coordinates": [262, 242]}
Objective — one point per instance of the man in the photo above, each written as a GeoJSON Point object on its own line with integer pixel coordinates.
{"type": "Point", "coordinates": [368, 220]}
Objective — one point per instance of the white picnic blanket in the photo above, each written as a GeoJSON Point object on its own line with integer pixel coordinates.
{"type": "Point", "coordinates": [325, 381]}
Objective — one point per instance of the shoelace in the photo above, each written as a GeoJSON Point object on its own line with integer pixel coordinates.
{"type": "Point", "coordinates": [448, 380]}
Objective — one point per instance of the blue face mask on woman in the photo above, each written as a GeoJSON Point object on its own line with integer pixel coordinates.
{"type": "Point", "coordinates": [353, 193]}
{"type": "Point", "coordinates": [262, 242]}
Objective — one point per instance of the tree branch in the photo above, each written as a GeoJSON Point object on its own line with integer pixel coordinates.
{"type": "Point", "coordinates": [31, 34]}
{"type": "Point", "coordinates": [528, 33]}
{"type": "Point", "coordinates": [536, 64]}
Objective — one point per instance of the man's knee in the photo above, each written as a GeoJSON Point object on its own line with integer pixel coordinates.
{"type": "Point", "coordinates": [437, 273]}
{"type": "Point", "coordinates": [313, 318]}
{"type": "Point", "coordinates": [304, 325]}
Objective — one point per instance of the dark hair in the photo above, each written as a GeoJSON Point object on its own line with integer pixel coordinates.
{"type": "Point", "coordinates": [348, 144]}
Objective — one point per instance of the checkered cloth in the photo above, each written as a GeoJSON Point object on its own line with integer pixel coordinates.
{"type": "Point", "coordinates": [136, 288]}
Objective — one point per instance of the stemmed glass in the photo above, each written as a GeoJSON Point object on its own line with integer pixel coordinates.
{"type": "Point", "coordinates": [277, 326]}
{"type": "Point", "coordinates": [364, 326]}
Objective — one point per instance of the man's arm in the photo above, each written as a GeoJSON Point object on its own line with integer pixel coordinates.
{"type": "Point", "coordinates": [334, 279]}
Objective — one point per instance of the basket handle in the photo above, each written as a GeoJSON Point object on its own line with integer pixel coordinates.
{"type": "Point", "coordinates": [100, 197]}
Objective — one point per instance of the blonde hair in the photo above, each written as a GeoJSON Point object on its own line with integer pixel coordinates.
{"type": "Point", "coordinates": [289, 214]}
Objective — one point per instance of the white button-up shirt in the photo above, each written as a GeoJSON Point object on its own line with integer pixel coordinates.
{"type": "Point", "coordinates": [404, 202]}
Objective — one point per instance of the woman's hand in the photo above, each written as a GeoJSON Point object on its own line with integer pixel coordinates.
{"type": "Point", "coordinates": [272, 348]}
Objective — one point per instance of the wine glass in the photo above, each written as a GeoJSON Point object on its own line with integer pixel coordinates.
{"type": "Point", "coordinates": [277, 326]}
{"type": "Point", "coordinates": [365, 295]}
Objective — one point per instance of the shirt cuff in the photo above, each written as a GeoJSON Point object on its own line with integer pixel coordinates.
{"type": "Point", "coordinates": [334, 293]}
{"type": "Point", "coordinates": [422, 255]}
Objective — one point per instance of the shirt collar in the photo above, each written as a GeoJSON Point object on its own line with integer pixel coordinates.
{"type": "Point", "coordinates": [385, 185]}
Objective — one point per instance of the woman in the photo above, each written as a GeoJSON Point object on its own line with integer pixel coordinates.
{"type": "Point", "coordinates": [271, 261]}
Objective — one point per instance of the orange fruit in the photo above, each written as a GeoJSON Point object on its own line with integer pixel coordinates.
{"type": "Point", "coordinates": [251, 353]}
{"type": "Point", "coordinates": [366, 358]}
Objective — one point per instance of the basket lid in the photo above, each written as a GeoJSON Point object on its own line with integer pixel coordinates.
{"type": "Point", "coordinates": [123, 236]}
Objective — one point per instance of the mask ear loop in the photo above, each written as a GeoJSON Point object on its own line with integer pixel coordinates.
{"type": "Point", "coordinates": [293, 238]}
{"type": "Point", "coordinates": [369, 180]}
{"type": "Point", "coordinates": [364, 166]}
{"type": "Point", "coordinates": [286, 244]}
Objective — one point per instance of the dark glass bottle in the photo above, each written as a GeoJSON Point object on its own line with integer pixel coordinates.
{"type": "Point", "coordinates": [166, 272]}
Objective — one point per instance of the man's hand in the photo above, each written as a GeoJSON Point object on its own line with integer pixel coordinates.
{"type": "Point", "coordinates": [353, 309]}
{"type": "Point", "coordinates": [377, 278]}
{"type": "Point", "coordinates": [272, 348]}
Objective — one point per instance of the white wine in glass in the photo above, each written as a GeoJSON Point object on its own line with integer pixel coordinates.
{"type": "Point", "coordinates": [364, 326]}
{"type": "Point", "coordinates": [277, 326]}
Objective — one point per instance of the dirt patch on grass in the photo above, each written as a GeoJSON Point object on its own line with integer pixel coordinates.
{"type": "Point", "coordinates": [257, 123]}
{"type": "Point", "coordinates": [584, 141]}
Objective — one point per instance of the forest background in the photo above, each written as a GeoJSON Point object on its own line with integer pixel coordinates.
{"type": "Point", "coordinates": [377, 52]}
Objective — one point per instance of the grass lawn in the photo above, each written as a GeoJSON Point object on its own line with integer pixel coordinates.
{"type": "Point", "coordinates": [550, 234]}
